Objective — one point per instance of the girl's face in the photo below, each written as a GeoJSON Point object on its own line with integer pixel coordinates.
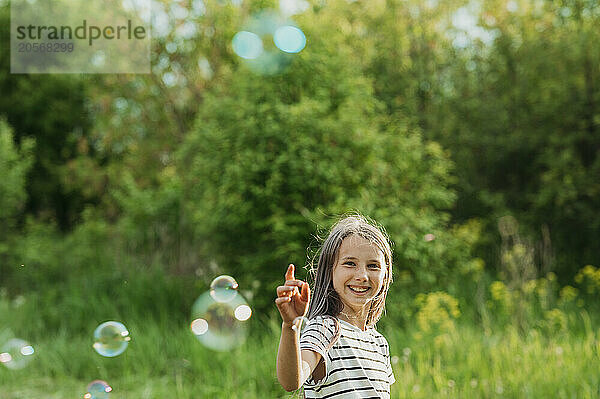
{"type": "Point", "coordinates": [358, 272]}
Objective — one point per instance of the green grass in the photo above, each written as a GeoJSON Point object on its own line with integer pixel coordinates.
{"type": "Point", "coordinates": [166, 361]}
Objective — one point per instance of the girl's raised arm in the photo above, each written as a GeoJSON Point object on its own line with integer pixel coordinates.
{"type": "Point", "coordinates": [293, 366]}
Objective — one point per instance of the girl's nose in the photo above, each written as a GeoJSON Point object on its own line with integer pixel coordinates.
{"type": "Point", "coordinates": [361, 274]}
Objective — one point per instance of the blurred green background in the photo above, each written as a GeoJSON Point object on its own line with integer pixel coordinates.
{"type": "Point", "coordinates": [470, 130]}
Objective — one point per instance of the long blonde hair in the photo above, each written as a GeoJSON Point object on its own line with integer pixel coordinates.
{"type": "Point", "coordinates": [324, 300]}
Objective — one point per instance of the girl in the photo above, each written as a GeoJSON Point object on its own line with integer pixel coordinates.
{"type": "Point", "coordinates": [340, 354]}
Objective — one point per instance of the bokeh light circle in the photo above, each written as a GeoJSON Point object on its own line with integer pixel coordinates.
{"type": "Point", "coordinates": [289, 39]}
{"type": "Point", "coordinates": [219, 325]}
{"type": "Point", "coordinates": [98, 389]}
{"type": "Point", "coordinates": [16, 353]}
{"type": "Point", "coordinates": [247, 45]}
{"type": "Point", "coordinates": [111, 339]}
{"type": "Point", "coordinates": [223, 288]}
{"type": "Point", "coordinates": [242, 312]}
{"type": "Point", "coordinates": [199, 326]}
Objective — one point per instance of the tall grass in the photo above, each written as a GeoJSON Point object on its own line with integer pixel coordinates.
{"type": "Point", "coordinates": [164, 360]}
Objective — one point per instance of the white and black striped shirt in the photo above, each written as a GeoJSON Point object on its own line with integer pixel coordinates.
{"type": "Point", "coordinates": [356, 366]}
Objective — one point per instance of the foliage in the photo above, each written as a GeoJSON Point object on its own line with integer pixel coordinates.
{"type": "Point", "coordinates": [15, 162]}
{"type": "Point", "coordinates": [52, 110]}
{"type": "Point", "coordinates": [271, 159]}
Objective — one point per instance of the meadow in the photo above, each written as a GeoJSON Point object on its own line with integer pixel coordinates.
{"type": "Point", "coordinates": [166, 361]}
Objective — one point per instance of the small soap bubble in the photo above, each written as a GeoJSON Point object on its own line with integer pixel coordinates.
{"type": "Point", "coordinates": [16, 353]}
{"type": "Point", "coordinates": [111, 339]}
{"type": "Point", "coordinates": [300, 324]}
{"type": "Point", "coordinates": [223, 288]}
{"type": "Point", "coordinates": [247, 45]}
{"type": "Point", "coordinates": [289, 39]}
{"type": "Point", "coordinates": [220, 325]}
{"type": "Point", "coordinates": [98, 389]}
{"type": "Point", "coordinates": [429, 237]}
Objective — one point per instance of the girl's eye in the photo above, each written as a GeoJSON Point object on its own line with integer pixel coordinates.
{"type": "Point", "coordinates": [349, 263]}
{"type": "Point", "coordinates": [374, 266]}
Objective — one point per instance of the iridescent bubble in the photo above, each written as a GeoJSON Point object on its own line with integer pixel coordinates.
{"type": "Point", "coordinates": [16, 353]}
{"type": "Point", "coordinates": [300, 324]}
{"type": "Point", "coordinates": [220, 325]}
{"type": "Point", "coordinates": [111, 338]}
{"type": "Point", "coordinates": [289, 39]}
{"type": "Point", "coordinates": [247, 45]}
{"type": "Point", "coordinates": [223, 288]}
{"type": "Point", "coordinates": [98, 389]}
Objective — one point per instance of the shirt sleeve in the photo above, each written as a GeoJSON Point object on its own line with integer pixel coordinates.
{"type": "Point", "coordinates": [319, 337]}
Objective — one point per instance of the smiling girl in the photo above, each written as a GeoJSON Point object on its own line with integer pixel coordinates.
{"type": "Point", "coordinates": [340, 354]}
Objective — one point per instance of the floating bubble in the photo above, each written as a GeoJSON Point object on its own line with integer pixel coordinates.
{"type": "Point", "coordinates": [16, 353]}
{"type": "Point", "coordinates": [111, 339]}
{"type": "Point", "coordinates": [220, 325]}
{"type": "Point", "coordinates": [289, 39]}
{"type": "Point", "coordinates": [223, 288]}
{"type": "Point", "coordinates": [264, 24]}
{"type": "Point", "coordinates": [98, 389]}
{"type": "Point", "coordinates": [300, 324]}
{"type": "Point", "coordinates": [247, 45]}
{"type": "Point", "coordinates": [429, 237]}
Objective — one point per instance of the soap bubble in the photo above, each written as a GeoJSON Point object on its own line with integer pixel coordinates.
{"type": "Point", "coordinates": [261, 28]}
{"type": "Point", "coordinates": [289, 39]}
{"type": "Point", "coordinates": [16, 353]}
{"type": "Point", "coordinates": [111, 339]}
{"type": "Point", "coordinates": [428, 237]}
{"type": "Point", "coordinates": [220, 325]}
{"type": "Point", "coordinates": [98, 389]}
{"type": "Point", "coordinates": [223, 288]}
{"type": "Point", "coordinates": [247, 45]}
{"type": "Point", "coordinates": [300, 324]}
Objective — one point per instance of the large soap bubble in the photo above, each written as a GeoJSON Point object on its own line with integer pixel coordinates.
{"type": "Point", "coordinates": [111, 338]}
{"type": "Point", "coordinates": [220, 325]}
{"type": "Point", "coordinates": [16, 353]}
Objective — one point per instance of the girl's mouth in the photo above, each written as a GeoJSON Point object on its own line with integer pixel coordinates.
{"type": "Point", "coordinates": [359, 290]}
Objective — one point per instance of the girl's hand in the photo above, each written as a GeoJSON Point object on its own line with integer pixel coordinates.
{"type": "Point", "coordinates": [292, 297]}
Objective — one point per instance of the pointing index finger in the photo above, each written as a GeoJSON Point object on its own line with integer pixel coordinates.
{"type": "Point", "coordinates": [289, 274]}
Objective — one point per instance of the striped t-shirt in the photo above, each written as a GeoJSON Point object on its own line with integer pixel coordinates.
{"type": "Point", "coordinates": [356, 366]}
